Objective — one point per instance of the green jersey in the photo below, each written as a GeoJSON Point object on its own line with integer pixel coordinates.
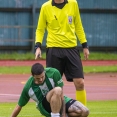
{"type": "Point", "coordinates": [38, 91]}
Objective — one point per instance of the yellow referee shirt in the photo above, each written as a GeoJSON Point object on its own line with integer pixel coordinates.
{"type": "Point", "coordinates": [62, 25]}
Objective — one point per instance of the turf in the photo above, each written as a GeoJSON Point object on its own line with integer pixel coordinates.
{"type": "Point", "coordinates": [97, 109]}
{"type": "Point", "coordinates": [26, 69]}
{"type": "Point", "coordinates": [103, 108]}
{"type": "Point", "coordinates": [28, 111]}
{"type": "Point", "coordinates": [31, 56]}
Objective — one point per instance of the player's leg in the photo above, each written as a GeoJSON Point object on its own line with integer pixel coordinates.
{"type": "Point", "coordinates": [54, 97]}
{"type": "Point", "coordinates": [77, 109]}
{"type": "Point", "coordinates": [44, 108]}
{"type": "Point", "coordinates": [74, 72]}
{"type": "Point", "coordinates": [69, 108]}
{"type": "Point", "coordinates": [51, 104]}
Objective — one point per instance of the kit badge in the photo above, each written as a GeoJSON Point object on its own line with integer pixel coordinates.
{"type": "Point", "coordinates": [70, 19]}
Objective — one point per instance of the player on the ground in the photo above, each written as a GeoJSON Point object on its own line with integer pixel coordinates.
{"type": "Point", "coordinates": [45, 88]}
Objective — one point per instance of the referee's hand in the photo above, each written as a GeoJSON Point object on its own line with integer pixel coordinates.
{"type": "Point", "coordinates": [38, 53]}
{"type": "Point", "coordinates": [86, 53]}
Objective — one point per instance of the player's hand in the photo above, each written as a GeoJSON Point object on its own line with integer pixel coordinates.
{"type": "Point", "coordinates": [86, 53]}
{"type": "Point", "coordinates": [38, 53]}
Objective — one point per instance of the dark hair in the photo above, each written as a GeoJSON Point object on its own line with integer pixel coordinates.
{"type": "Point", "coordinates": [37, 69]}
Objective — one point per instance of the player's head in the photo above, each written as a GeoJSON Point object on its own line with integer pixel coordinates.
{"type": "Point", "coordinates": [37, 69]}
{"type": "Point", "coordinates": [38, 73]}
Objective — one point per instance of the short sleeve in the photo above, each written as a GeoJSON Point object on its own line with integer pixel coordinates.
{"type": "Point", "coordinates": [58, 78]}
{"type": "Point", "coordinates": [24, 98]}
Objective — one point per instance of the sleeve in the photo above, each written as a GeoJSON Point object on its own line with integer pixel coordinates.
{"type": "Point", "coordinates": [24, 98]}
{"type": "Point", "coordinates": [41, 26]}
{"type": "Point", "coordinates": [58, 79]}
{"type": "Point", "coordinates": [78, 25]}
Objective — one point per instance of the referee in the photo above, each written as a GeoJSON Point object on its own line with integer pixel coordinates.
{"type": "Point", "coordinates": [61, 19]}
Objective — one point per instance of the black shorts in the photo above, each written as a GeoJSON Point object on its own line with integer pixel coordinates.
{"type": "Point", "coordinates": [68, 104]}
{"type": "Point", "coordinates": [66, 60]}
{"type": "Point", "coordinates": [46, 105]}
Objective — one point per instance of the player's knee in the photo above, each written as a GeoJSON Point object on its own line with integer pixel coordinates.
{"type": "Point", "coordinates": [58, 91]}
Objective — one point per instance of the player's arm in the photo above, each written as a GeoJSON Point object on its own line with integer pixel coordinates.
{"type": "Point", "coordinates": [23, 100]}
{"type": "Point", "coordinates": [16, 111]}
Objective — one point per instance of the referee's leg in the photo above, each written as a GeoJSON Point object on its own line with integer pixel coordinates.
{"type": "Point", "coordinates": [80, 90]}
{"type": "Point", "coordinates": [74, 72]}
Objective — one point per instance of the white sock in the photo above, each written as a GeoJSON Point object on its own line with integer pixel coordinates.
{"type": "Point", "coordinates": [55, 115]}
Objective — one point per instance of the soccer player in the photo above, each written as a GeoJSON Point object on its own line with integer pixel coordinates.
{"type": "Point", "coordinates": [45, 88]}
{"type": "Point", "coordinates": [62, 20]}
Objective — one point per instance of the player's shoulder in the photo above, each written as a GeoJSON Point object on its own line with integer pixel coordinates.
{"type": "Point", "coordinates": [50, 69]}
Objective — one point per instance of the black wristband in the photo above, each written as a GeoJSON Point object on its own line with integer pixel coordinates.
{"type": "Point", "coordinates": [84, 45]}
{"type": "Point", "coordinates": [37, 45]}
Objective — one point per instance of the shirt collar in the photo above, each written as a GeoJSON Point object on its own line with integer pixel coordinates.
{"type": "Point", "coordinates": [54, 4]}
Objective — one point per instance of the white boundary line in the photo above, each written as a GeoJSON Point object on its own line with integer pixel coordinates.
{"type": "Point", "coordinates": [16, 95]}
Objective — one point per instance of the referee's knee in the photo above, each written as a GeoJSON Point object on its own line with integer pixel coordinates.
{"type": "Point", "coordinates": [79, 83]}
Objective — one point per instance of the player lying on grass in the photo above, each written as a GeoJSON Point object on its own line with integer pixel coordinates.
{"type": "Point", "coordinates": [45, 88]}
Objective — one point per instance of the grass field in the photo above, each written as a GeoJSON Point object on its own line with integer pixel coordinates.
{"type": "Point", "coordinates": [31, 56]}
{"type": "Point", "coordinates": [26, 69]}
{"type": "Point", "coordinates": [97, 109]}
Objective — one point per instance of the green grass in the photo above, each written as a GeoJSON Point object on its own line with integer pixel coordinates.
{"type": "Point", "coordinates": [26, 69]}
{"type": "Point", "coordinates": [101, 56]}
{"type": "Point", "coordinates": [102, 108]}
{"type": "Point", "coordinates": [31, 56]}
{"type": "Point", "coordinates": [15, 70]}
{"type": "Point", "coordinates": [97, 109]}
{"type": "Point", "coordinates": [100, 69]}
{"type": "Point", "coordinates": [28, 111]}
{"type": "Point", "coordinates": [19, 56]}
